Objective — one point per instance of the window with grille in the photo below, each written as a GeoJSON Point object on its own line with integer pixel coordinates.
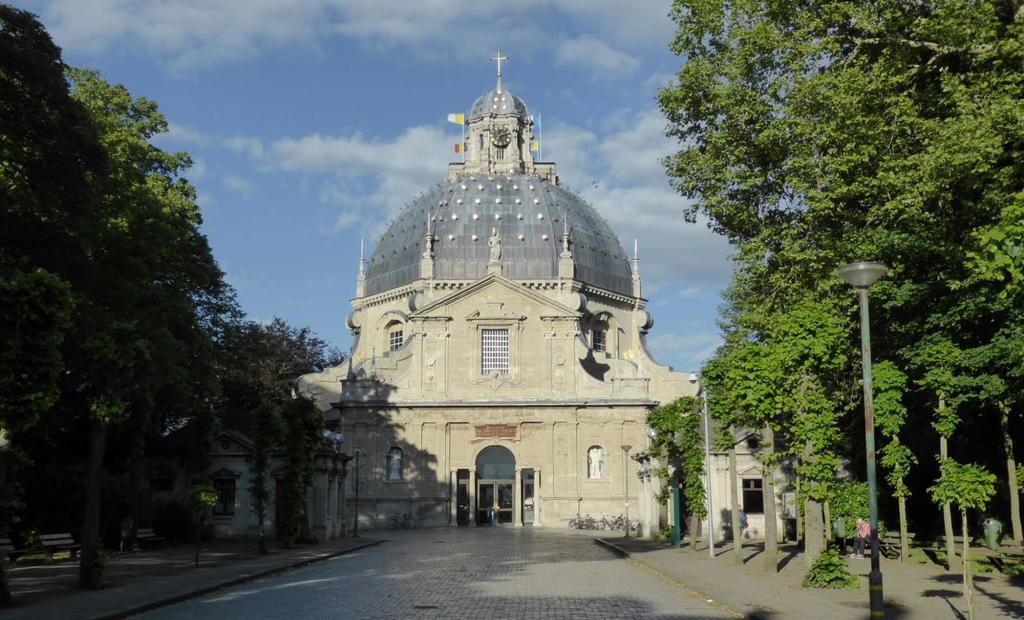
{"type": "Point", "coordinates": [395, 339]}
{"type": "Point", "coordinates": [501, 153]}
{"type": "Point", "coordinates": [494, 351]}
{"type": "Point", "coordinates": [753, 500]}
{"type": "Point", "coordinates": [225, 488]}
{"type": "Point", "coordinates": [600, 340]}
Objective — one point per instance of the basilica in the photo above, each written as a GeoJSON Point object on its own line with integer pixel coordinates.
{"type": "Point", "coordinates": [499, 373]}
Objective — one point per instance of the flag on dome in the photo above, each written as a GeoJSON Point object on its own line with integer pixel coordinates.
{"type": "Point", "coordinates": [458, 119]}
{"type": "Point", "coordinates": [535, 145]}
{"type": "Point", "coordinates": [459, 147]}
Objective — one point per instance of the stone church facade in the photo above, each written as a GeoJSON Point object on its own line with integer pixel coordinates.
{"type": "Point", "coordinates": [499, 372]}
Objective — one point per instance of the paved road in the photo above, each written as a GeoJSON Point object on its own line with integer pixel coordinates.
{"type": "Point", "coordinates": [459, 573]}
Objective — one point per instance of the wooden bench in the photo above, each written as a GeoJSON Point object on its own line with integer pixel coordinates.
{"type": "Point", "coordinates": [8, 551]}
{"type": "Point", "coordinates": [148, 537]}
{"type": "Point", "coordinates": [52, 543]}
{"type": "Point", "coordinates": [889, 545]}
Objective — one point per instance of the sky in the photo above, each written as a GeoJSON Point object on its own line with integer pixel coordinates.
{"type": "Point", "coordinates": [311, 123]}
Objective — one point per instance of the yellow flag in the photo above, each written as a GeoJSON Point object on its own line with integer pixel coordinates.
{"type": "Point", "coordinates": [535, 145]}
{"type": "Point", "coordinates": [458, 119]}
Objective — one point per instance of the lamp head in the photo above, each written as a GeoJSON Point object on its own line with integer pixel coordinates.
{"type": "Point", "coordinates": [694, 377]}
{"type": "Point", "coordinates": [862, 274]}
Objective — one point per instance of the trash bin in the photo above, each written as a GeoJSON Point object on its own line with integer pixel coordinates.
{"type": "Point", "coordinates": [993, 532]}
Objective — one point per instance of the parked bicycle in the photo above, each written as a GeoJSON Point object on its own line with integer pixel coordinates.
{"type": "Point", "coordinates": [585, 522]}
{"type": "Point", "coordinates": [403, 521]}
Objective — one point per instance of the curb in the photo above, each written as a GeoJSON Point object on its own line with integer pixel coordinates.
{"type": "Point", "coordinates": [747, 614]}
{"type": "Point", "coordinates": [178, 598]}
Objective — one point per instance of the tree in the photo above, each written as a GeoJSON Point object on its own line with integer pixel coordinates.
{"type": "Point", "coordinates": [890, 416]}
{"type": "Point", "coordinates": [679, 443]}
{"type": "Point", "coordinates": [969, 487]}
{"type": "Point", "coordinates": [743, 383]}
{"type": "Point", "coordinates": [813, 136]}
{"type": "Point", "coordinates": [259, 366]}
{"type": "Point", "coordinates": [48, 154]}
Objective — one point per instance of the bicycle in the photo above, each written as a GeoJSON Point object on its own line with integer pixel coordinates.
{"type": "Point", "coordinates": [405, 522]}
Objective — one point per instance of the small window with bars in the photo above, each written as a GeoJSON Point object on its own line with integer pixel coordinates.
{"type": "Point", "coordinates": [600, 338]}
{"type": "Point", "coordinates": [494, 351]}
{"type": "Point", "coordinates": [501, 153]}
{"type": "Point", "coordinates": [225, 488]}
{"type": "Point", "coordinates": [395, 339]}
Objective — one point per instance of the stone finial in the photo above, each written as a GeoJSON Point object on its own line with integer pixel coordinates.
{"type": "Point", "coordinates": [636, 269]}
{"type": "Point", "coordinates": [361, 277]}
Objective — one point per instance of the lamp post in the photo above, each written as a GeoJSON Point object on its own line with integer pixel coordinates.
{"type": "Point", "coordinates": [694, 378]}
{"type": "Point", "coordinates": [861, 276]}
{"type": "Point", "coordinates": [625, 480]}
{"type": "Point", "coordinates": [355, 504]}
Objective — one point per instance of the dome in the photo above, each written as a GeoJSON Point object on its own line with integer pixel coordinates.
{"type": "Point", "coordinates": [528, 213]}
{"type": "Point", "coordinates": [498, 102]}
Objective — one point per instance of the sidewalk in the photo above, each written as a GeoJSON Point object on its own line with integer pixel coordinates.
{"type": "Point", "coordinates": [148, 579]}
{"type": "Point", "coordinates": [912, 591]}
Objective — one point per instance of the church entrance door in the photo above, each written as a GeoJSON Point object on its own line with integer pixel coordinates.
{"type": "Point", "coordinates": [495, 475]}
{"type": "Point", "coordinates": [494, 502]}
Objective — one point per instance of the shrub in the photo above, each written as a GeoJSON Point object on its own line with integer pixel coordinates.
{"type": "Point", "coordinates": [830, 571]}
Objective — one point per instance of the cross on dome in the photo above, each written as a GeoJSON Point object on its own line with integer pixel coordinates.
{"type": "Point", "coordinates": [498, 59]}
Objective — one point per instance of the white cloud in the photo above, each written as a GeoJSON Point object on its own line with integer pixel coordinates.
{"type": "Point", "coordinates": [687, 350]}
{"type": "Point", "coordinates": [182, 134]}
{"type": "Point", "coordinates": [369, 178]}
{"type": "Point", "coordinates": [242, 187]}
{"type": "Point", "coordinates": [198, 170]}
{"type": "Point", "coordinates": [253, 147]}
{"type": "Point", "coordinates": [596, 56]}
{"type": "Point", "coordinates": [196, 33]}
{"type": "Point", "coordinates": [620, 173]}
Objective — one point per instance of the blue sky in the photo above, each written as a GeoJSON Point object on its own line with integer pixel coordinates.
{"type": "Point", "coordinates": [311, 123]}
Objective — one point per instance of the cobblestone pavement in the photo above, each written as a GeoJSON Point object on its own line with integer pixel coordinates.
{"type": "Point", "coordinates": [463, 573]}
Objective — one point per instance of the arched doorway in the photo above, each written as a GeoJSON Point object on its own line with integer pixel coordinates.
{"type": "Point", "coordinates": [495, 486]}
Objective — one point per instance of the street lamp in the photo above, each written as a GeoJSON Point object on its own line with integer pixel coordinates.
{"type": "Point", "coordinates": [862, 275]}
{"type": "Point", "coordinates": [694, 378]}
{"type": "Point", "coordinates": [625, 480]}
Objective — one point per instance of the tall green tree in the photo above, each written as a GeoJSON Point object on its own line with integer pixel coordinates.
{"type": "Point", "coordinates": [970, 487]}
{"type": "Point", "coordinates": [891, 416]}
{"type": "Point", "coordinates": [810, 136]}
{"type": "Point", "coordinates": [679, 444]}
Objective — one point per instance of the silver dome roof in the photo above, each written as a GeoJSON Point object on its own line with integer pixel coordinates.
{"type": "Point", "coordinates": [498, 102]}
{"type": "Point", "coordinates": [528, 213]}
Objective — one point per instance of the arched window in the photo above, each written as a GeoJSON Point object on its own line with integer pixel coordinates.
{"type": "Point", "coordinates": [595, 463]}
{"type": "Point", "coordinates": [600, 338]}
{"type": "Point", "coordinates": [394, 471]}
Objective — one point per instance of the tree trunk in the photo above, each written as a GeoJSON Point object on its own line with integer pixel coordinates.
{"type": "Point", "coordinates": [968, 580]}
{"type": "Point", "coordinates": [5, 588]}
{"type": "Point", "coordinates": [904, 538]}
{"type": "Point", "coordinates": [90, 537]}
{"type": "Point", "coordinates": [814, 534]}
{"type": "Point", "coordinates": [771, 534]}
{"type": "Point", "coordinates": [137, 476]}
{"type": "Point", "coordinates": [827, 509]}
{"type": "Point", "coordinates": [799, 517]}
{"type": "Point", "coordinates": [734, 503]}
{"type": "Point", "coordinates": [947, 513]}
{"type": "Point", "coordinates": [1011, 472]}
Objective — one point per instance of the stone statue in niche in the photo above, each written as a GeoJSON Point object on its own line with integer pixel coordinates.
{"type": "Point", "coordinates": [495, 244]}
{"type": "Point", "coordinates": [595, 463]}
{"type": "Point", "coordinates": [395, 464]}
